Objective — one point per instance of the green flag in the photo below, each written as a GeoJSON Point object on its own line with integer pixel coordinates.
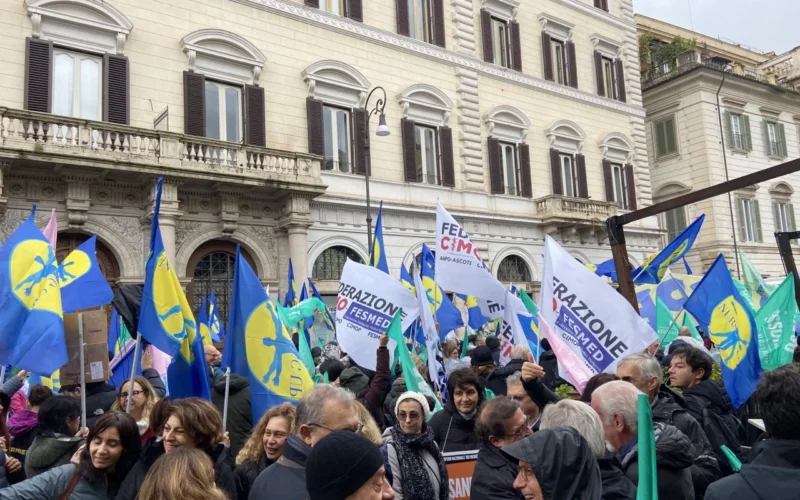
{"type": "Point", "coordinates": [775, 322]}
{"type": "Point", "coordinates": [748, 299]}
{"type": "Point", "coordinates": [286, 317]}
{"type": "Point", "coordinates": [648, 475]}
{"type": "Point", "coordinates": [665, 321]}
{"type": "Point", "coordinates": [736, 464]}
{"type": "Point", "coordinates": [464, 343]}
{"type": "Point", "coordinates": [759, 289]}
{"type": "Point", "coordinates": [688, 323]}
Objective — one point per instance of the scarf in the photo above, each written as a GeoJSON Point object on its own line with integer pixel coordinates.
{"type": "Point", "coordinates": [143, 425]}
{"type": "Point", "coordinates": [416, 482]}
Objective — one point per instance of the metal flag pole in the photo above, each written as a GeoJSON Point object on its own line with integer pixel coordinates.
{"type": "Point", "coordinates": [136, 353]}
{"type": "Point", "coordinates": [2, 374]}
{"type": "Point", "coordinates": [661, 341]}
{"type": "Point", "coordinates": [225, 404]}
{"type": "Point", "coordinates": [81, 348]}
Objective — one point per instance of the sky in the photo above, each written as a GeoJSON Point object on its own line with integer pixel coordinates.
{"type": "Point", "coordinates": [766, 25]}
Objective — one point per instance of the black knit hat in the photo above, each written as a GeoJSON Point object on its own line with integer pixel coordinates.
{"type": "Point", "coordinates": [482, 356]}
{"type": "Point", "coordinates": [340, 464]}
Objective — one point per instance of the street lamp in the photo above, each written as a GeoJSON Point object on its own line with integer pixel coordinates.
{"type": "Point", "coordinates": [381, 131]}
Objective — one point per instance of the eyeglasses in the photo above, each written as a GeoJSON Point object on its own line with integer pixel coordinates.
{"type": "Point", "coordinates": [124, 395]}
{"type": "Point", "coordinates": [355, 429]}
{"type": "Point", "coordinates": [412, 416]}
{"type": "Point", "coordinates": [521, 432]}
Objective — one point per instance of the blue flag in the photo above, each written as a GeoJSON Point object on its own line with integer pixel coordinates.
{"type": "Point", "coordinates": [605, 268]}
{"type": "Point", "coordinates": [406, 279]}
{"type": "Point", "coordinates": [83, 285]}
{"type": "Point", "coordinates": [475, 319]}
{"type": "Point", "coordinates": [214, 321]}
{"type": "Point", "coordinates": [187, 375]}
{"type": "Point", "coordinates": [686, 266]}
{"type": "Point", "coordinates": [307, 322]}
{"type": "Point", "coordinates": [447, 315]}
{"type": "Point", "coordinates": [291, 296]}
{"type": "Point", "coordinates": [113, 333]}
{"type": "Point", "coordinates": [377, 254]}
{"type": "Point", "coordinates": [31, 323]}
{"type": "Point", "coordinates": [654, 267]}
{"type": "Point", "coordinates": [202, 323]}
{"type": "Point", "coordinates": [261, 347]}
{"type": "Point", "coordinates": [720, 309]}
{"type": "Point", "coordinates": [165, 318]}
{"type": "Point", "coordinates": [326, 314]}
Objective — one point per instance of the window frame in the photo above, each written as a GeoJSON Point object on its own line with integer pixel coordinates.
{"type": "Point", "coordinates": [223, 107]}
{"type": "Point", "coordinates": [609, 68]}
{"type": "Point", "coordinates": [420, 21]}
{"type": "Point", "coordinates": [657, 137]}
{"type": "Point", "coordinates": [736, 131]}
{"type": "Point", "coordinates": [560, 76]}
{"type": "Point", "coordinates": [329, 5]}
{"type": "Point", "coordinates": [675, 219]}
{"type": "Point", "coordinates": [501, 48]}
{"type": "Point", "coordinates": [621, 199]}
{"type": "Point", "coordinates": [573, 175]}
{"type": "Point", "coordinates": [516, 188]}
{"type": "Point", "coordinates": [772, 139]}
{"type": "Point", "coordinates": [749, 223]}
{"type": "Point", "coordinates": [334, 138]}
{"type": "Point", "coordinates": [420, 131]}
{"type": "Point", "coordinates": [77, 58]}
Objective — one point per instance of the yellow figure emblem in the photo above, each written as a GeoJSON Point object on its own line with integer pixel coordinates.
{"type": "Point", "coordinates": [730, 330]}
{"type": "Point", "coordinates": [74, 266]}
{"type": "Point", "coordinates": [205, 333]}
{"type": "Point", "coordinates": [35, 276]}
{"type": "Point", "coordinates": [433, 293]}
{"type": "Point", "coordinates": [171, 305]}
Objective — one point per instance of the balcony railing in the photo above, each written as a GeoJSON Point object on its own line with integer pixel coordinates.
{"type": "Point", "coordinates": [563, 211]}
{"type": "Point", "coordinates": [46, 137]}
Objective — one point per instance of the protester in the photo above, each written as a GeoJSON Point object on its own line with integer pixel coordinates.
{"type": "Point", "coordinates": [194, 423]}
{"type": "Point", "coordinates": [369, 428]}
{"type": "Point", "coordinates": [10, 466]}
{"type": "Point", "coordinates": [515, 391]}
{"type": "Point", "coordinates": [370, 394]}
{"type": "Point", "coordinates": [497, 379]}
{"type": "Point", "coordinates": [316, 355]}
{"type": "Point", "coordinates": [398, 388]}
{"type": "Point", "coordinates": [501, 422]}
{"type": "Point", "coordinates": [482, 363]}
{"type": "Point", "coordinates": [185, 474]}
{"type": "Point", "coordinates": [113, 447]}
{"type": "Point", "coordinates": [593, 383]}
{"type": "Point", "coordinates": [143, 399]}
{"type": "Point", "coordinates": [333, 367]}
{"type": "Point", "coordinates": [774, 469]}
{"type": "Point", "coordinates": [59, 435]}
{"type": "Point", "coordinates": [240, 413]}
{"type": "Point", "coordinates": [493, 343]}
{"type": "Point", "coordinates": [616, 404]}
{"type": "Point", "coordinates": [454, 426]}
{"type": "Point", "coordinates": [264, 446]}
{"type": "Point", "coordinates": [414, 462]}
{"type": "Point", "coordinates": [159, 416]}
{"type": "Point", "coordinates": [581, 417]}
{"type": "Point", "coordinates": [556, 464]}
{"type": "Point", "coordinates": [23, 427]}
{"type": "Point", "coordinates": [346, 466]}
{"type": "Point", "coordinates": [321, 411]}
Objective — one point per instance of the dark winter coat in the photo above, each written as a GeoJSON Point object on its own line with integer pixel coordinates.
{"type": "Point", "coordinates": [286, 478]}
{"type": "Point", "coordinates": [48, 452]}
{"type": "Point", "coordinates": [246, 475]}
{"type": "Point", "coordinates": [616, 485]}
{"type": "Point", "coordinates": [708, 394]}
{"type": "Point", "coordinates": [22, 427]}
{"type": "Point", "coordinates": [540, 393]}
{"type": "Point", "coordinates": [240, 413]}
{"type": "Point", "coordinates": [673, 462]}
{"type": "Point", "coordinates": [772, 474]}
{"type": "Point", "coordinates": [99, 398]}
{"type": "Point", "coordinates": [458, 431]}
{"type": "Point", "coordinates": [398, 388]}
{"type": "Point", "coordinates": [156, 381]}
{"type": "Point", "coordinates": [496, 381]}
{"type": "Point", "coordinates": [370, 393]}
{"type": "Point", "coordinates": [548, 361]}
{"type": "Point", "coordinates": [494, 475]}
{"type": "Point", "coordinates": [50, 485]}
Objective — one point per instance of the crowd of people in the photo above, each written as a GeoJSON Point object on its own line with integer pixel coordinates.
{"type": "Point", "coordinates": [362, 435]}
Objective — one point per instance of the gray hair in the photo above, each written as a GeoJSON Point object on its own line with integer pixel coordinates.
{"type": "Point", "coordinates": [649, 367]}
{"type": "Point", "coordinates": [310, 407]}
{"type": "Point", "coordinates": [520, 352]}
{"type": "Point", "coordinates": [580, 417]}
{"type": "Point", "coordinates": [514, 378]}
{"type": "Point", "coordinates": [618, 398]}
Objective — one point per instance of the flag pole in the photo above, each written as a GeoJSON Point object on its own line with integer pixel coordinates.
{"type": "Point", "coordinates": [225, 404]}
{"type": "Point", "coordinates": [136, 354]}
{"type": "Point", "coordinates": [2, 374]}
{"type": "Point", "coordinates": [670, 326]}
{"type": "Point", "coordinates": [83, 370]}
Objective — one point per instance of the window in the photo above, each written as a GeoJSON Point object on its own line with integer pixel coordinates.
{"type": "Point", "coordinates": [77, 85]}
{"type": "Point", "coordinates": [609, 78]}
{"type": "Point", "coordinates": [749, 219]}
{"type": "Point", "coordinates": [772, 137]}
{"type": "Point", "coordinates": [419, 19]}
{"type": "Point", "coordinates": [569, 177]}
{"type": "Point", "coordinates": [425, 144]}
{"type": "Point", "coordinates": [675, 222]}
{"type": "Point", "coordinates": [601, 4]}
{"type": "Point", "coordinates": [559, 61]}
{"type": "Point", "coordinates": [665, 137]}
{"type": "Point", "coordinates": [214, 272]}
{"type": "Point", "coordinates": [620, 185]}
{"type": "Point", "coordinates": [513, 269]}
{"type": "Point", "coordinates": [333, 6]}
{"type": "Point", "coordinates": [223, 112]}
{"type": "Point", "coordinates": [500, 42]}
{"type": "Point", "coordinates": [784, 216]}
{"type": "Point", "coordinates": [331, 261]}
{"type": "Point", "coordinates": [508, 155]}
{"type": "Point", "coordinates": [337, 144]}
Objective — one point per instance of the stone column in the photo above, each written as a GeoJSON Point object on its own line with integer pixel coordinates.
{"type": "Point", "coordinates": [168, 216]}
{"type": "Point", "coordinates": [295, 219]}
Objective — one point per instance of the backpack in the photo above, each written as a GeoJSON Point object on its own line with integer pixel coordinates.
{"type": "Point", "coordinates": [722, 429]}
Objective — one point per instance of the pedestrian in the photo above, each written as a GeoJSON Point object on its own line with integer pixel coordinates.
{"type": "Point", "coordinates": [59, 436]}
{"type": "Point", "coordinates": [264, 446]}
{"type": "Point", "coordinates": [185, 474]}
{"type": "Point", "coordinates": [240, 411]}
{"type": "Point", "coordinates": [143, 400]}
{"type": "Point", "coordinates": [193, 423]}
{"type": "Point", "coordinates": [556, 464]}
{"type": "Point", "coordinates": [369, 428]}
{"type": "Point", "coordinates": [581, 417]}
{"type": "Point", "coordinates": [501, 422]}
{"type": "Point", "coordinates": [773, 471]}
{"type": "Point", "coordinates": [497, 378]}
{"type": "Point", "coordinates": [23, 427]}
{"type": "Point", "coordinates": [321, 411]}
{"type": "Point", "coordinates": [346, 466]}
{"type": "Point", "coordinates": [493, 343]}
{"type": "Point", "coordinates": [113, 447]}
{"type": "Point", "coordinates": [593, 383]}
{"type": "Point", "coordinates": [370, 393]}
{"type": "Point", "coordinates": [415, 463]}
{"type": "Point", "coordinates": [483, 363]}
{"type": "Point", "coordinates": [398, 388]}
{"type": "Point", "coordinates": [454, 426]}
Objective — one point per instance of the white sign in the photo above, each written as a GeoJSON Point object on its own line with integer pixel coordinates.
{"type": "Point", "coordinates": [595, 321]}
{"type": "Point", "coordinates": [368, 300]}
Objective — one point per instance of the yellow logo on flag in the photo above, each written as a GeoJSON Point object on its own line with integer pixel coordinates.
{"type": "Point", "coordinates": [433, 293]}
{"type": "Point", "coordinates": [76, 265]}
{"type": "Point", "coordinates": [34, 276]}
{"type": "Point", "coordinates": [731, 331]}
{"type": "Point", "coordinates": [173, 310]}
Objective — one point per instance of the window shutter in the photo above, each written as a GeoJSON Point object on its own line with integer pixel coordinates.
{"type": "Point", "coordinates": [765, 132]}
{"type": "Point", "coordinates": [438, 22]}
{"type": "Point", "coordinates": [486, 28]}
{"type": "Point", "coordinates": [609, 180]}
{"type": "Point", "coordinates": [598, 70]}
{"type": "Point", "coordinates": [669, 129]}
{"type": "Point", "coordinates": [316, 127]}
{"type": "Point", "coordinates": [401, 9]}
{"type": "Point", "coordinates": [38, 68]}
{"type": "Point", "coordinates": [782, 140]}
{"type": "Point", "coordinates": [776, 217]}
{"type": "Point", "coordinates": [573, 65]}
{"type": "Point", "coordinates": [446, 167]}
{"type": "Point", "coordinates": [194, 103]}
{"type": "Point", "coordinates": [729, 130]}
{"type": "Point", "coordinates": [313, 3]}
{"type": "Point", "coordinates": [740, 213]}
{"type": "Point", "coordinates": [409, 151]}
{"type": "Point", "coordinates": [555, 171]}
{"type": "Point", "coordinates": [255, 131]}
{"type": "Point", "coordinates": [525, 181]}
{"type": "Point", "coordinates": [547, 57]}
{"type": "Point", "coordinates": [620, 79]}
{"type": "Point", "coordinates": [660, 138]}
{"type": "Point", "coordinates": [580, 167]}
{"type": "Point", "coordinates": [746, 137]}
{"type": "Point", "coordinates": [495, 167]}
{"type": "Point", "coordinates": [116, 102]}
{"type": "Point", "coordinates": [757, 217]}
{"type": "Point", "coordinates": [359, 117]}
{"type": "Point", "coordinates": [516, 45]}
{"type": "Point", "coordinates": [790, 216]}
{"type": "Point", "coordinates": [354, 10]}
{"type": "Point", "coordinates": [630, 187]}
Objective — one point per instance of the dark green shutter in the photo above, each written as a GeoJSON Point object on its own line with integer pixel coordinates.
{"type": "Point", "coordinates": [747, 140]}
{"type": "Point", "coordinates": [757, 221]}
{"type": "Point", "coordinates": [729, 131]}
{"type": "Point", "coordinates": [782, 140]}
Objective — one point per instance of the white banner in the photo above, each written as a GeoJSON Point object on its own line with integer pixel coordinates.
{"type": "Point", "coordinates": [510, 332]}
{"type": "Point", "coordinates": [368, 300]}
{"type": "Point", "coordinates": [429, 328]}
{"type": "Point", "coordinates": [459, 267]}
{"type": "Point", "coordinates": [595, 321]}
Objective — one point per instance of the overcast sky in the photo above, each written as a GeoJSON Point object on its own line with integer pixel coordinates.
{"type": "Point", "coordinates": [762, 24]}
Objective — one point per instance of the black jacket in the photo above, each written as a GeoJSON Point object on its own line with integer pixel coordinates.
{"type": "Point", "coordinates": [616, 485]}
{"type": "Point", "coordinates": [496, 381]}
{"type": "Point", "coordinates": [548, 361]}
{"type": "Point", "coordinates": [99, 398]}
{"type": "Point", "coordinates": [286, 478]}
{"type": "Point", "coordinates": [494, 476]}
{"type": "Point", "coordinates": [772, 474]}
{"type": "Point", "coordinates": [246, 475]}
{"type": "Point", "coordinates": [448, 424]}
{"type": "Point", "coordinates": [540, 393]}
{"type": "Point", "coordinates": [156, 381]}
{"type": "Point", "coordinates": [708, 394]}
{"type": "Point", "coordinates": [673, 462]}
{"type": "Point", "coordinates": [398, 388]}
{"type": "Point", "coordinates": [240, 413]}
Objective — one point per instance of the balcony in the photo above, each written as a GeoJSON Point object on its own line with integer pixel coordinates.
{"type": "Point", "coordinates": [32, 137]}
{"type": "Point", "coordinates": [581, 216]}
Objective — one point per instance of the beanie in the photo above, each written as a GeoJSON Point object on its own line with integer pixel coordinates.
{"type": "Point", "coordinates": [340, 464]}
{"type": "Point", "coordinates": [419, 398]}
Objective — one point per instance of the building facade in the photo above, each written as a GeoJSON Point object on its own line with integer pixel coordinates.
{"type": "Point", "coordinates": [522, 118]}
{"type": "Point", "coordinates": [718, 111]}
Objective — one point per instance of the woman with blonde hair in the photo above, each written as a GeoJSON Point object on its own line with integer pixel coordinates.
{"type": "Point", "coordinates": [143, 400]}
{"type": "Point", "coordinates": [263, 447]}
{"type": "Point", "coordinates": [369, 428]}
{"type": "Point", "coordinates": [186, 474]}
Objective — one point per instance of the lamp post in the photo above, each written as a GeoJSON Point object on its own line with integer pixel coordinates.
{"type": "Point", "coordinates": [382, 131]}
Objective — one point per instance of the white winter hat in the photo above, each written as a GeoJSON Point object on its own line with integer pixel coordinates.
{"type": "Point", "coordinates": [419, 398]}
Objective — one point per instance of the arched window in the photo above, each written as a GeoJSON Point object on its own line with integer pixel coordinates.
{"type": "Point", "coordinates": [329, 264]}
{"type": "Point", "coordinates": [513, 269]}
{"type": "Point", "coordinates": [415, 265]}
